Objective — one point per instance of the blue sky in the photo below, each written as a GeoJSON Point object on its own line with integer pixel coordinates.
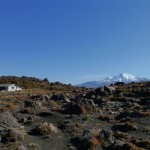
{"type": "Point", "coordinates": [74, 41]}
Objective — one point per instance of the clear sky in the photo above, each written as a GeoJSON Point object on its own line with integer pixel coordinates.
{"type": "Point", "coordinates": [73, 41]}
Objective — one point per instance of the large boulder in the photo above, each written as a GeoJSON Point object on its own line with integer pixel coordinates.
{"type": "Point", "coordinates": [39, 97]}
{"type": "Point", "coordinates": [65, 97]}
{"type": "Point", "coordinates": [24, 118]}
{"type": "Point", "coordinates": [32, 103]}
{"type": "Point", "coordinates": [109, 89]}
{"type": "Point", "coordinates": [76, 109]}
{"type": "Point", "coordinates": [13, 135]}
{"type": "Point", "coordinates": [21, 147]}
{"type": "Point", "coordinates": [99, 101]}
{"type": "Point", "coordinates": [89, 139]}
{"type": "Point", "coordinates": [46, 80]}
{"type": "Point", "coordinates": [8, 120]}
{"type": "Point", "coordinates": [107, 138]}
{"type": "Point", "coordinates": [100, 91]}
{"type": "Point", "coordinates": [10, 129]}
{"type": "Point", "coordinates": [20, 117]}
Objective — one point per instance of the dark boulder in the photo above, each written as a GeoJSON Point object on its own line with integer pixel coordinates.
{"type": "Point", "coordinates": [109, 89]}
{"type": "Point", "coordinates": [76, 109]}
{"type": "Point", "coordinates": [46, 80]}
{"type": "Point", "coordinates": [13, 135]}
{"type": "Point", "coordinates": [34, 104]}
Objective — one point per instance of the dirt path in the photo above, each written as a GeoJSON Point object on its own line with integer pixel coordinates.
{"type": "Point", "coordinates": [56, 141]}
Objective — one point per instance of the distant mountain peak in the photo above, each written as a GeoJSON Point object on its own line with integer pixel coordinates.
{"type": "Point", "coordinates": [127, 75]}
{"type": "Point", "coordinates": [123, 77]}
{"type": "Point", "coordinates": [109, 77]}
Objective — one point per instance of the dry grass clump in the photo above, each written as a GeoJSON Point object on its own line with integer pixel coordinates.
{"type": "Point", "coordinates": [90, 108]}
{"type": "Point", "coordinates": [104, 117]}
{"type": "Point", "coordinates": [132, 114]}
{"type": "Point", "coordinates": [81, 109]}
{"type": "Point", "coordinates": [124, 120]}
{"type": "Point", "coordinates": [54, 106]}
{"type": "Point", "coordinates": [26, 110]}
{"type": "Point", "coordinates": [145, 114]}
{"type": "Point", "coordinates": [76, 128]}
{"type": "Point", "coordinates": [93, 143]}
{"type": "Point", "coordinates": [125, 127]}
{"type": "Point", "coordinates": [10, 107]}
{"type": "Point", "coordinates": [122, 135]}
{"type": "Point", "coordinates": [45, 129]}
{"type": "Point", "coordinates": [146, 129]}
{"type": "Point", "coordinates": [14, 135]}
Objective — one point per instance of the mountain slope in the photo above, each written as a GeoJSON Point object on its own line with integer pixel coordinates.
{"type": "Point", "coordinates": [124, 77]}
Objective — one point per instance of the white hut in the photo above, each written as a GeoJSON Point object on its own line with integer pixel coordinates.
{"type": "Point", "coordinates": [10, 87]}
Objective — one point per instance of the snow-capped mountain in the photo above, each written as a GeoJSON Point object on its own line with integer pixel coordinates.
{"type": "Point", "coordinates": [124, 77]}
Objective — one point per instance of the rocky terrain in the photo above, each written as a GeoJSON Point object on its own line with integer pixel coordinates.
{"type": "Point", "coordinates": [55, 116]}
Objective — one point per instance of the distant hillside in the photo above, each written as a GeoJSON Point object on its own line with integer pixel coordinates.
{"type": "Point", "coordinates": [32, 82]}
{"type": "Point", "coordinates": [26, 82]}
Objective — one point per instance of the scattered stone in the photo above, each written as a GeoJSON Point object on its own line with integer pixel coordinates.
{"type": "Point", "coordinates": [34, 104]}
{"type": "Point", "coordinates": [13, 135]}
{"type": "Point", "coordinates": [75, 109]}
{"type": "Point", "coordinates": [132, 114]}
{"type": "Point", "coordinates": [46, 80]}
{"type": "Point", "coordinates": [39, 97]}
{"type": "Point", "coordinates": [54, 106]}
{"type": "Point", "coordinates": [32, 145]}
{"type": "Point", "coordinates": [112, 117]}
{"type": "Point", "coordinates": [61, 97]}
{"type": "Point", "coordinates": [21, 147]}
{"type": "Point", "coordinates": [109, 89]}
{"type": "Point", "coordinates": [107, 138]}
{"type": "Point", "coordinates": [20, 117]}
{"type": "Point", "coordinates": [100, 92]}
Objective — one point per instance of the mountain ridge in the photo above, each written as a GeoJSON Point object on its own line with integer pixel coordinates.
{"type": "Point", "coordinates": [123, 77]}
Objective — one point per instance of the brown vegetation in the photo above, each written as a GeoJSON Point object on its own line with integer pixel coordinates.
{"type": "Point", "coordinates": [125, 127]}
{"type": "Point", "coordinates": [93, 143]}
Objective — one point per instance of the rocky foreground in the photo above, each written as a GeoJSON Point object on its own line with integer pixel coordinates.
{"type": "Point", "coordinates": [113, 117]}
